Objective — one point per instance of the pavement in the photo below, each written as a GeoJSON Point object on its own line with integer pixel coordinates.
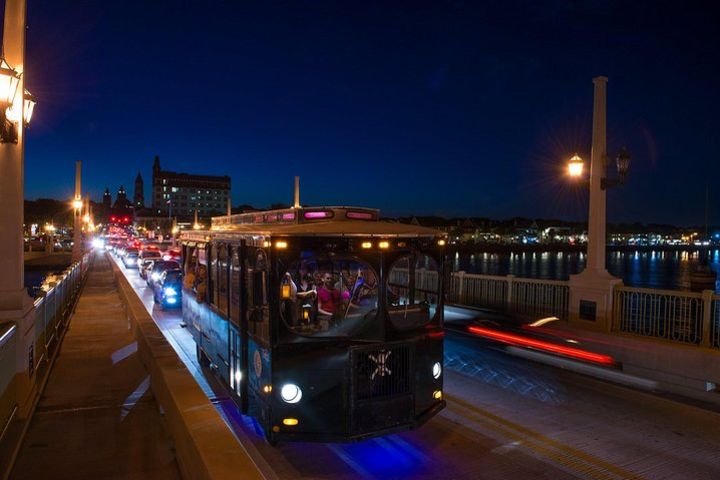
{"type": "Point", "coordinates": [97, 418]}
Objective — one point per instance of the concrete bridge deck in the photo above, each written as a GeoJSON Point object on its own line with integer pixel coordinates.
{"type": "Point", "coordinates": [97, 417]}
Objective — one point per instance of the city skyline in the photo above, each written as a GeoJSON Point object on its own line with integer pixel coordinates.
{"type": "Point", "coordinates": [414, 109]}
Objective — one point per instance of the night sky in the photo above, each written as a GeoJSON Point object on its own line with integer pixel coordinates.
{"type": "Point", "coordinates": [450, 108]}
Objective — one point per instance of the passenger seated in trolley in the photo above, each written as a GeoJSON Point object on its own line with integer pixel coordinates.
{"type": "Point", "coordinates": [329, 302]}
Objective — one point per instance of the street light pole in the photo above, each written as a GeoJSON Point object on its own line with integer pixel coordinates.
{"type": "Point", "coordinates": [598, 157]}
{"type": "Point", "coordinates": [592, 290]}
{"type": "Point", "coordinates": [14, 300]}
{"type": "Point", "coordinates": [77, 214]}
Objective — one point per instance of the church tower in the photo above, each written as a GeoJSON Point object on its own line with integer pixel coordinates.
{"type": "Point", "coordinates": [139, 198]}
{"type": "Point", "coordinates": [107, 198]}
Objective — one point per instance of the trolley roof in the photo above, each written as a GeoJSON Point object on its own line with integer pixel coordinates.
{"type": "Point", "coordinates": [314, 221]}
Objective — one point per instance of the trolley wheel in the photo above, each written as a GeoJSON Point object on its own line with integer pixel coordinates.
{"type": "Point", "coordinates": [203, 360]}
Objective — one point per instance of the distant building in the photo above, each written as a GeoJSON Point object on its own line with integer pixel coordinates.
{"type": "Point", "coordinates": [182, 194]}
{"type": "Point", "coordinates": [107, 199]}
{"type": "Point", "coordinates": [121, 201]}
{"type": "Point", "coordinates": [139, 198]}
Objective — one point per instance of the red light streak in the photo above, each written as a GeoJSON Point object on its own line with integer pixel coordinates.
{"type": "Point", "coordinates": [512, 339]}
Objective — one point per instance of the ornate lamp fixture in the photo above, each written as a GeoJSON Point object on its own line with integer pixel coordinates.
{"type": "Point", "coordinates": [10, 111]}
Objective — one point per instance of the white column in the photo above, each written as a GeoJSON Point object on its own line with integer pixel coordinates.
{"type": "Point", "coordinates": [296, 199]}
{"type": "Point", "coordinates": [598, 155]}
{"type": "Point", "coordinates": [13, 296]}
{"type": "Point", "coordinates": [77, 215]}
{"type": "Point", "coordinates": [591, 291]}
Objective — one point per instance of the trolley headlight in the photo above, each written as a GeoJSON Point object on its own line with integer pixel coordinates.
{"type": "Point", "coordinates": [437, 370]}
{"type": "Point", "coordinates": [290, 393]}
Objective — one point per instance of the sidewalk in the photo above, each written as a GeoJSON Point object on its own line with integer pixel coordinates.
{"type": "Point", "coordinates": [97, 417]}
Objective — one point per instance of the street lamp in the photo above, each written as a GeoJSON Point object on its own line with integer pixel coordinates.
{"type": "Point", "coordinates": [576, 167]}
{"type": "Point", "coordinates": [9, 81]}
{"type": "Point", "coordinates": [77, 205]}
{"type": "Point", "coordinates": [592, 290]}
{"type": "Point", "coordinates": [28, 106]}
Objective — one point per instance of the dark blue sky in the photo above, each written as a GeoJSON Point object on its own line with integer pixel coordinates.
{"type": "Point", "coordinates": [451, 108]}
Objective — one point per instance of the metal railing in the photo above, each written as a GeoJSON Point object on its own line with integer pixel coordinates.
{"type": "Point", "coordinates": [50, 314]}
{"type": "Point", "coordinates": [545, 298]}
{"type": "Point", "coordinates": [715, 323]}
{"type": "Point", "coordinates": [691, 318]}
{"type": "Point", "coordinates": [685, 317]}
{"type": "Point", "coordinates": [526, 296]}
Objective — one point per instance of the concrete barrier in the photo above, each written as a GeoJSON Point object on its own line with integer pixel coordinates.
{"type": "Point", "coordinates": [205, 446]}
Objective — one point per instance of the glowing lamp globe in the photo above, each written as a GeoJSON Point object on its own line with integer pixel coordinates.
{"type": "Point", "coordinates": [9, 80]}
{"type": "Point", "coordinates": [13, 114]}
{"type": "Point", "coordinates": [576, 166]}
{"type": "Point", "coordinates": [29, 106]}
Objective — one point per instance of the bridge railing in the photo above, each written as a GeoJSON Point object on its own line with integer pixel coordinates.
{"type": "Point", "coordinates": [36, 347]}
{"type": "Point", "coordinates": [526, 296]}
{"type": "Point", "coordinates": [715, 323]}
{"type": "Point", "coordinates": [691, 318]}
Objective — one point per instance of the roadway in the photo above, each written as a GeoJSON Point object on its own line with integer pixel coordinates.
{"type": "Point", "coordinates": [507, 417]}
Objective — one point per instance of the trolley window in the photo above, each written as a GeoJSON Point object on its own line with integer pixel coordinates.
{"type": "Point", "coordinates": [212, 284]}
{"type": "Point", "coordinates": [222, 279]}
{"type": "Point", "coordinates": [256, 280]}
{"type": "Point", "coordinates": [323, 296]}
{"type": "Point", "coordinates": [235, 273]}
{"type": "Point", "coordinates": [413, 291]}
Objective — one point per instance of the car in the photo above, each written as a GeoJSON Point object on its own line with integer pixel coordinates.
{"type": "Point", "coordinates": [157, 269]}
{"type": "Point", "coordinates": [146, 257]}
{"type": "Point", "coordinates": [167, 291]}
{"type": "Point", "coordinates": [130, 258]}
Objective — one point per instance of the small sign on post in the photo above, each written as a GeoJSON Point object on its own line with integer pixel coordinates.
{"type": "Point", "coordinates": [588, 310]}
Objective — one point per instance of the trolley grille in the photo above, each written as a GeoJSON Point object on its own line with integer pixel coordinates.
{"type": "Point", "coordinates": [381, 371]}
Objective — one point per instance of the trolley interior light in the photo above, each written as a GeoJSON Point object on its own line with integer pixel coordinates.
{"type": "Point", "coordinates": [436, 370]}
{"type": "Point", "coordinates": [437, 395]}
{"type": "Point", "coordinates": [384, 244]}
{"type": "Point", "coordinates": [359, 215]}
{"type": "Point", "coordinates": [290, 422]}
{"type": "Point", "coordinates": [441, 243]}
{"type": "Point", "coordinates": [366, 244]}
{"type": "Point", "coordinates": [315, 215]}
{"type": "Point", "coordinates": [281, 244]}
{"type": "Point", "coordinates": [290, 393]}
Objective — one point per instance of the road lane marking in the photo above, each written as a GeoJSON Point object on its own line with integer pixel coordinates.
{"type": "Point", "coordinates": [585, 464]}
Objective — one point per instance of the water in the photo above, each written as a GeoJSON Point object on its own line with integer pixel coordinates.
{"type": "Point", "coordinates": [654, 269]}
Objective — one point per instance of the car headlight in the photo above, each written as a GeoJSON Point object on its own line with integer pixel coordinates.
{"type": "Point", "coordinates": [290, 393]}
{"type": "Point", "coordinates": [437, 370]}
{"type": "Point", "coordinates": [170, 292]}
{"type": "Point", "coordinates": [155, 276]}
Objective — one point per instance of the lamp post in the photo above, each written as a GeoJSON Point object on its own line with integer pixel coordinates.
{"type": "Point", "coordinates": [591, 291]}
{"type": "Point", "coordinates": [15, 110]}
{"type": "Point", "coordinates": [77, 205]}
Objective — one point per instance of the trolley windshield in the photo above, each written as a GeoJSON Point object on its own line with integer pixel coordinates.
{"type": "Point", "coordinates": [328, 296]}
